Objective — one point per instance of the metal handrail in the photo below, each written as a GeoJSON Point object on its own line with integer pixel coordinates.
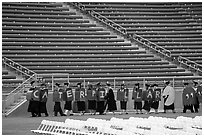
{"type": "Point", "coordinates": [20, 85]}
{"type": "Point", "coordinates": [14, 95]}
{"type": "Point", "coordinates": [152, 45]}
{"type": "Point", "coordinates": [79, 5]}
{"type": "Point", "coordinates": [108, 22]}
{"type": "Point", "coordinates": [191, 64]}
{"type": "Point", "coordinates": [20, 89]}
{"type": "Point", "coordinates": [145, 79]}
{"type": "Point", "coordinates": [98, 16]}
{"type": "Point", "coordinates": [17, 67]}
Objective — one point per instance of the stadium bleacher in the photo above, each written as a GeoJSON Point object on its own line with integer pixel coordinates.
{"type": "Point", "coordinates": [172, 24]}
{"type": "Point", "coordinates": [49, 38]}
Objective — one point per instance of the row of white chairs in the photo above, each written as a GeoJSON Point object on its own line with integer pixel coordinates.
{"type": "Point", "coordinates": [118, 126]}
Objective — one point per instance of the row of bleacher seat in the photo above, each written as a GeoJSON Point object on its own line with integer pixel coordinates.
{"type": "Point", "coordinates": [86, 48]}
{"type": "Point", "coordinates": [30, 6]}
{"type": "Point", "coordinates": [67, 29]}
{"type": "Point", "coordinates": [60, 36]}
{"type": "Point", "coordinates": [25, 12]}
{"type": "Point", "coordinates": [86, 60]}
{"type": "Point", "coordinates": [55, 52]}
{"type": "Point", "coordinates": [33, 4]}
{"type": "Point", "coordinates": [63, 42]}
{"type": "Point", "coordinates": [160, 21]}
{"type": "Point", "coordinates": [60, 40]}
{"type": "Point", "coordinates": [9, 82]}
{"type": "Point", "coordinates": [112, 75]}
{"type": "Point", "coordinates": [45, 20]}
{"type": "Point", "coordinates": [61, 32]}
{"type": "Point", "coordinates": [48, 24]}
{"type": "Point", "coordinates": [122, 64]}
{"type": "Point", "coordinates": [8, 78]}
{"type": "Point", "coordinates": [42, 16]}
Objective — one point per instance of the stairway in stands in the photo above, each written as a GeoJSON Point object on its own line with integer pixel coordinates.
{"type": "Point", "coordinates": [10, 81]}
{"type": "Point", "coordinates": [48, 38]}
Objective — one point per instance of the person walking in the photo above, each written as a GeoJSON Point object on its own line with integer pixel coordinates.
{"type": "Point", "coordinates": [57, 98]}
{"type": "Point", "coordinates": [110, 100]}
{"type": "Point", "coordinates": [169, 97]}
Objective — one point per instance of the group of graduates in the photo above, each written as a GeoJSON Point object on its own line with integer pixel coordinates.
{"type": "Point", "coordinates": [192, 96]}
{"type": "Point", "coordinates": [102, 99]}
{"type": "Point", "coordinates": [37, 96]}
{"type": "Point", "coordinates": [99, 99]}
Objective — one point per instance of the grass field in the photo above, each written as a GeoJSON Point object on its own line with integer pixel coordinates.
{"type": "Point", "coordinates": [23, 125]}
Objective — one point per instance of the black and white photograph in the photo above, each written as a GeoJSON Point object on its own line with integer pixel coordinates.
{"type": "Point", "coordinates": [101, 67]}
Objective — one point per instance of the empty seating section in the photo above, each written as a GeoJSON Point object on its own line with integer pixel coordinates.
{"type": "Point", "coordinates": [8, 78]}
{"type": "Point", "coordinates": [9, 82]}
{"type": "Point", "coordinates": [50, 38]}
{"type": "Point", "coordinates": [175, 26]}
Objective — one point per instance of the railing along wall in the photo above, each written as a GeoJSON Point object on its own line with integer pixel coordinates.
{"type": "Point", "coordinates": [18, 92]}
{"type": "Point", "coordinates": [190, 64]}
{"type": "Point", "coordinates": [101, 18]}
{"type": "Point", "coordinates": [148, 44]}
{"type": "Point", "coordinates": [16, 66]}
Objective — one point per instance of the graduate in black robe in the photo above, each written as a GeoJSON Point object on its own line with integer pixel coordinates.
{"type": "Point", "coordinates": [43, 100]}
{"type": "Point", "coordinates": [80, 97]}
{"type": "Point", "coordinates": [189, 97]}
{"type": "Point", "coordinates": [32, 104]}
{"type": "Point", "coordinates": [137, 97]}
{"type": "Point", "coordinates": [100, 97]}
{"type": "Point", "coordinates": [122, 96]}
{"type": "Point", "coordinates": [147, 97]}
{"type": "Point", "coordinates": [156, 98]}
{"type": "Point", "coordinates": [110, 100]}
{"type": "Point", "coordinates": [196, 105]}
{"type": "Point", "coordinates": [68, 98]}
{"type": "Point", "coordinates": [91, 97]}
{"type": "Point", "coordinates": [57, 106]}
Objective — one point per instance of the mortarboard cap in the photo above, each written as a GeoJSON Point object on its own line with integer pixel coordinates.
{"type": "Point", "coordinates": [154, 85]}
{"type": "Point", "coordinates": [66, 83]}
{"type": "Point", "coordinates": [98, 84]}
{"type": "Point", "coordinates": [147, 85]}
{"type": "Point", "coordinates": [57, 84]}
{"type": "Point", "coordinates": [185, 83]}
{"type": "Point", "coordinates": [195, 82]}
{"type": "Point", "coordinates": [108, 84]}
{"type": "Point", "coordinates": [32, 82]}
{"type": "Point", "coordinates": [43, 84]}
{"type": "Point", "coordinates": [167, 82]}
{"type": "Point", "coordinates": [79, 83]}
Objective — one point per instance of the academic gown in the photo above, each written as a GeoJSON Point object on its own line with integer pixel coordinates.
{"type": "Point", "coordinates": [111, 102]}
{"type": "Point", "coordinates": [33, 106]}
{"type": "Point", "coordinates": [169, 97]}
